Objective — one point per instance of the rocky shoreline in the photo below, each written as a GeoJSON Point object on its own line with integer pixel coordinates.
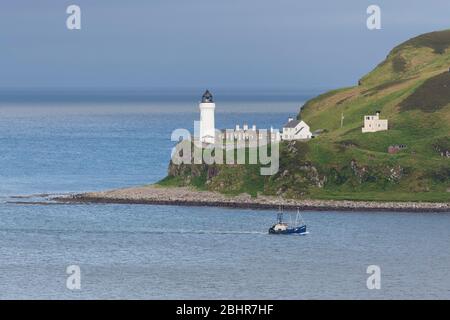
{"type": "Point", "coordinates": [185, 196]}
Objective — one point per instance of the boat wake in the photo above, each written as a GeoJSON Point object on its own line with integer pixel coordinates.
{"type": "Point", "coordinates": [213, 232]}
{"type": "Point", "coordinates": [156, 232]}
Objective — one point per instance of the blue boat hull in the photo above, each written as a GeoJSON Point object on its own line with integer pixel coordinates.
{"type": "Point", "coordinates": [301, 229]}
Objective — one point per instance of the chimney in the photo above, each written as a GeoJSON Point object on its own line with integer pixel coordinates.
{"type": "Point", "coordinates": [245, 126]}
{"type": "Point", "coordinates": [237, 127]}
{"type": "Point", "coordinates": [254, 127]}
{"type": "Point", "coordinates": [290, 119]}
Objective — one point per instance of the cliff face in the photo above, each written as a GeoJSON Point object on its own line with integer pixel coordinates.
{"type": "Point", "coordinates": [293, 179]}
{"type": "Point", "coordinates": [411, 88]}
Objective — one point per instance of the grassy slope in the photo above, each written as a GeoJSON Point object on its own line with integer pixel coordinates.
{"type": "Point", "coordinates": [410, 89]}
{"type": "Point", "coordinates": [413, 73]}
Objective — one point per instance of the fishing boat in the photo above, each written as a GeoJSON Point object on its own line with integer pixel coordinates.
{"type": "Point", "coordinates": [282, 227]}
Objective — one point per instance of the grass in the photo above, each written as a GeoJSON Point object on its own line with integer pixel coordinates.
{"type": "Point", "coordinates": [171, 181]}
{"type": "Point", "coordinates": [439, 41]}
{"type": "Point", "coordinates": [412, 91]}
{"type": "Point", "coordinates": [432, 95]}
{"type": "Point", "coordinates": [399, 64]}
{"type": "Point", "coordinates": [383, 86]}
{"type": "Point", "coordinates": [418, 56]}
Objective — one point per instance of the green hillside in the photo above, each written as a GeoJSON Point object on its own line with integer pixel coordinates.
{"type": "Point", "coordinates": [411, 88]}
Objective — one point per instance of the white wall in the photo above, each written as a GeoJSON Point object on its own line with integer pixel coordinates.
{"type": "Point", "coordinates": [207, 125]}
{"type": "Point", "coordinates": [374, 124]}
{"type": "Point", "coordinates": [295, 134]}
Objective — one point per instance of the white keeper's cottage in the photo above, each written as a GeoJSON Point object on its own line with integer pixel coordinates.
{"type": "Point", "coordinates": [247, 133]}
{"type": "Point", "coordinates": [296, 130]}
{"type": "Point", "coordinates": [373, 123]}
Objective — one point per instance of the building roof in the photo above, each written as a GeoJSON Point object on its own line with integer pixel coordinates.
{"type": "Point", "coordinates": [292, 124]}
{"type": "Point", "coordinates": [207, 97]}
{"type": "Point", "coordinates": [250, 130]}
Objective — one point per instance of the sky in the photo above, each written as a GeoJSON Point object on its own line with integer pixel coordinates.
{"type": "Point", "coordinates": [245, 44]}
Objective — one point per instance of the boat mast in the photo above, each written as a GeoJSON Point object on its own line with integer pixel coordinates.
{"type": "Point", "coordinates": [299, 218]}
{"type": "Point", "coordinates": [280, 214]}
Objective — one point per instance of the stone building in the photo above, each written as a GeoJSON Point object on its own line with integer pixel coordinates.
{"type": "Point", "coordinates": [373, 123]}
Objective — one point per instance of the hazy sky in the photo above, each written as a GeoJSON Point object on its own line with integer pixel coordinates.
{"type": "Point", "coordinates": [293, 44]}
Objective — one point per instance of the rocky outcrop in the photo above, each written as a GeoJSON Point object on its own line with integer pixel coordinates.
{"type": "Point", "coordinates": [295, 178]}
{"type": "Point", "coordinates": [366, 173]}
{"type": "Point", "coordinates": [443, 150]}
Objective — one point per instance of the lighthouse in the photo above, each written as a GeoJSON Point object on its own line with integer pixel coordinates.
{"type": "Point", "coordinates": [207, 127]}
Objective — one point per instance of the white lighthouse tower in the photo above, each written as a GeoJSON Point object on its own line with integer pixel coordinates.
{"type": "Point", "coordinates": [207, 127]}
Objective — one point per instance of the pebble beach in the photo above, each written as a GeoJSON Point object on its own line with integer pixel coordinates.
{"type": "Point", "coordinates": [185, 196]}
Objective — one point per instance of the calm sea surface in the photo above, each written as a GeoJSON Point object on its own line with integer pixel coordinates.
{"type": "Point", "coordinates": [169, 252]}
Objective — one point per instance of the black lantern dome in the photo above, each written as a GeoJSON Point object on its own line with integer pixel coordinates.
{"type": "Point", "coordinates": [207, 97]}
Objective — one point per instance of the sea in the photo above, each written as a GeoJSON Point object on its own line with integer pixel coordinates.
{"type": "Point", "coordinates": [120, 251]}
